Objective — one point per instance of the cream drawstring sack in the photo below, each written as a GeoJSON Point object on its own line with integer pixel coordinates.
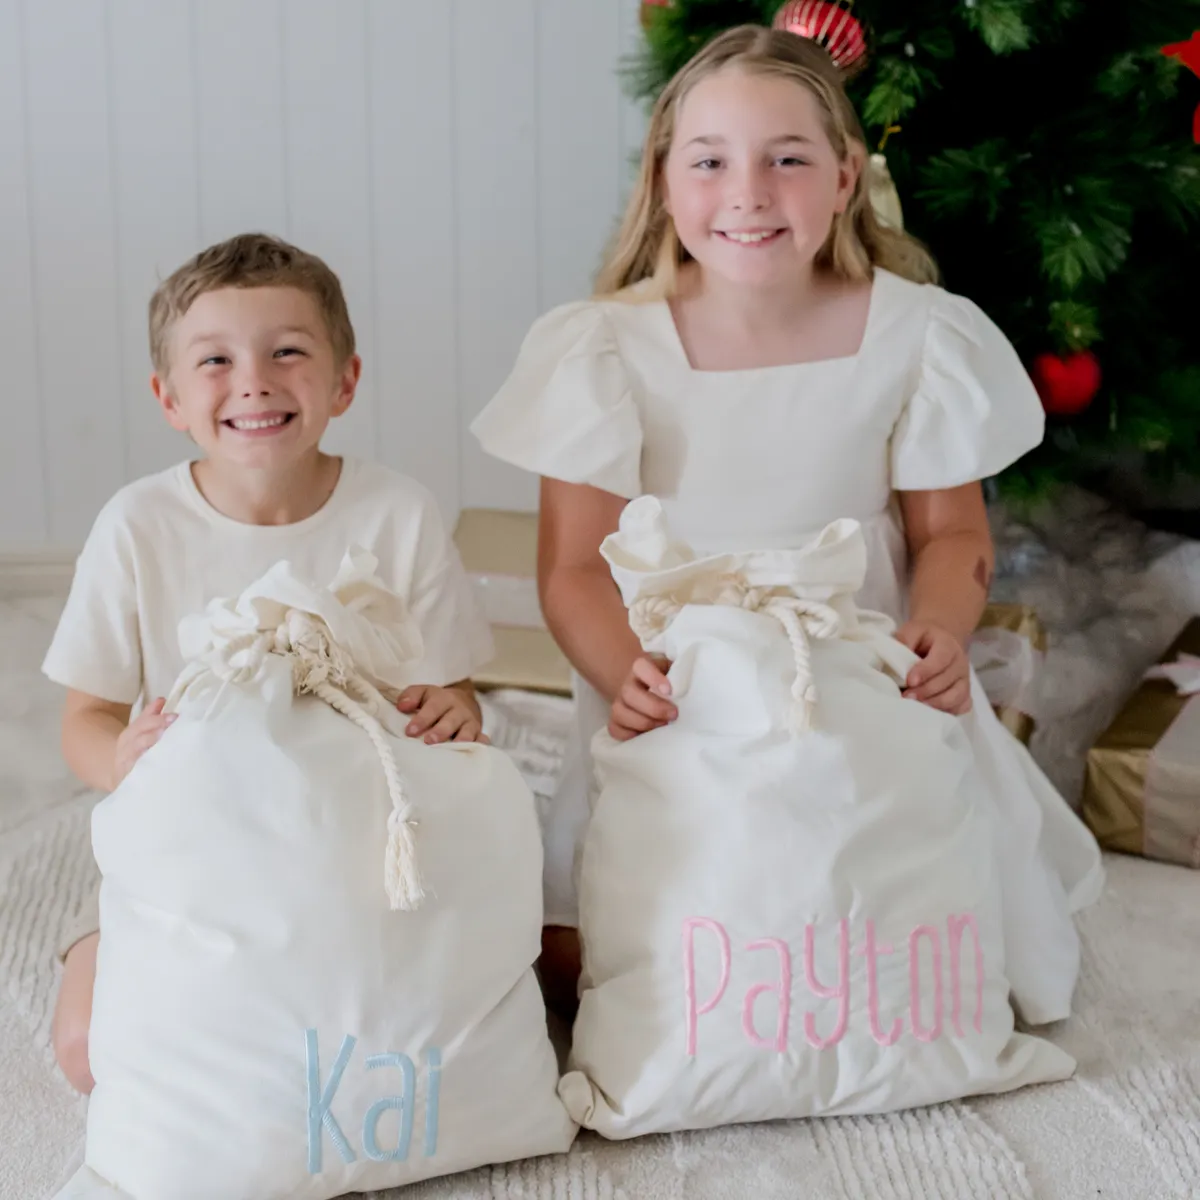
{"type": "Point", "coordinates": [317, 935]}
{"type": "Point", "coordinates": [789, 903]}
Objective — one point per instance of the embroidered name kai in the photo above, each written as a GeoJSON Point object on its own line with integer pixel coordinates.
{"type": "Point", "coordinates": [926, 1020]}
{"type": "Point", "coordinates": [320, 1103]}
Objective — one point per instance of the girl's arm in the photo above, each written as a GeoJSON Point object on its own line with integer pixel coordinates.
{"type": "Point", "coordinates": [580, 601]}
{"type": "Point", "coordinates": [950, 549]}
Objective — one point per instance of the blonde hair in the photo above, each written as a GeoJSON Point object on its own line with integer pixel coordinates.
{"type": "Point", "coordinates": [247, 261]}
{"type": "Point", "coordinates": [646, 245]}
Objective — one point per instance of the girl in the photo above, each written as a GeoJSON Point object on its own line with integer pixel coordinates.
{"type": "Point", "coordinates": [764, 357]}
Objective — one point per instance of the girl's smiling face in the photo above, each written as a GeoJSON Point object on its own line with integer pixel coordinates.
{"type": "Point", "coordinates": [752, 181]}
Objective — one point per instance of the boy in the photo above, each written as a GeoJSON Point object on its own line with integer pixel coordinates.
{"type": "Point", "coordinates": [253, 355]}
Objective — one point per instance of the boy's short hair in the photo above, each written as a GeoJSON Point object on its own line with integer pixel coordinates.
{"type": "Point", "coordinates": [246, 261]}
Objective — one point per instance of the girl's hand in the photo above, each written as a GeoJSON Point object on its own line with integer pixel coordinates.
{"type": "Point", "coordinates": [640, 706]}
{"type": "Point", "coordinates": [138, 736]}
{"type": "Point", "coordinates": [943, 678]}
{"type": "Point", "coordinates": [442, 714]}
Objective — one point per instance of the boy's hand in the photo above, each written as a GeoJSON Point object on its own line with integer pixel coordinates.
{"type": "Point", "coordinates": [640, 706]}
{"type": "Point", "coordinates": [138, 736]}
{"type": "Point", "coordinates": [442, 714]}
{"type": "Point", "coordinates": [943, 678]}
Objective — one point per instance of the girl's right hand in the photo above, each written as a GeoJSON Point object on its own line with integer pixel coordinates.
{"type": "Point", "coordinates": [640, 705]}
{"type": "Point", "coordinates": [138, 736]}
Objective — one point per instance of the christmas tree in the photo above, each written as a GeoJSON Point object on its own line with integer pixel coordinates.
{"type": "Point", "coordinates": [1046, 152]}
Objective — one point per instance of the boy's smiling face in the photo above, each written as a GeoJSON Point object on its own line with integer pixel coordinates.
{"type": "Point", "coordinates": [253, 377]}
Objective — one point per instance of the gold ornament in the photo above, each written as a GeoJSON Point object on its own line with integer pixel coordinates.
{"type": "Point", "coordinates": [885, 199]}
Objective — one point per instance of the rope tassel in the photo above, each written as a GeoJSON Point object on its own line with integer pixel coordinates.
{"type": "Point", "coordinates": [801, 621]}
{"type": "Point", "coordinates": [401, 878]}
{"type": "Point", "coordinates": [321, 668]}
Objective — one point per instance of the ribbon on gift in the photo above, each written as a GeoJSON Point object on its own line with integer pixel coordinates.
{"type": "Point", "coordinates": [1184, 673]}
{"type": "Point", "coordinates": [1006, 664]}
{"type": "Point", "coordinates": [1171, 816]}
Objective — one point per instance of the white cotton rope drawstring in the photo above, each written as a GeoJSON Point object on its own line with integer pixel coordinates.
{"type": "Point", "coordinates": [804, 621]}
{"type": "Point", "coordinates": [321, 668]}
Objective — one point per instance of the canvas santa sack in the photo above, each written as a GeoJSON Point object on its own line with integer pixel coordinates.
{"type": "Point", "coordinates": [316, 934]}
{"type": "Point", "coordinates": [788, 904]}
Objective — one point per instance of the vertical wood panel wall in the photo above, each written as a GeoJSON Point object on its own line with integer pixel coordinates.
{"type": "Point", "coordinates": [460, 164]}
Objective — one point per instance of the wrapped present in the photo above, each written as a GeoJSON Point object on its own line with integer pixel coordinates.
{"type": "Point", "coordinates": [1006, 651]}
{"type": "Point", "coordinates": [1142, 791]}
{"type": "Point", "coordinates": [499, 551]}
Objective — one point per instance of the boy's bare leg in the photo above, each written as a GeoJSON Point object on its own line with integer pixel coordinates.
{"type": "Point", "coordinates": [73, 1013]}
{"type": "Point", "coordinates": [559, 968]}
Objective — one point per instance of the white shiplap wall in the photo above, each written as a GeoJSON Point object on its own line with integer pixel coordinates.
{"type": "Point", "coordinates": [459, 163]}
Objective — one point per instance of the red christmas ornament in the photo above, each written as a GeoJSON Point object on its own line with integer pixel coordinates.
{"type": "Point", "coordinates": [1188, 53]}
{"type": "Point", "coordinates": [645, 13]}
{"type": "Point", "coordinates": [829, 23]}
{"type": "Point", "coordinates": [1066, 385]}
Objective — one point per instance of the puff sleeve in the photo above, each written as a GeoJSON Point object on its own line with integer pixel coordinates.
{"type": "Point", "coordinates": [567, 411]}
{"type": "Point", "coordinates": [973, 411]}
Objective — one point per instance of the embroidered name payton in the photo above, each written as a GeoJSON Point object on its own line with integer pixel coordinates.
{"type": "Point", "coordinates": [925, 1011]}
{"type": "Point", "coordinates": [320, 1102]}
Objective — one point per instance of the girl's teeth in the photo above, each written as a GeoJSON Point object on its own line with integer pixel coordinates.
{"type": "Point", "coordinates": [266, 423]}
{"type": "Point", "coordinates": [750, 237]}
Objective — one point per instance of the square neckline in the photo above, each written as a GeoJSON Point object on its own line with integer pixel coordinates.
{"type": "Point", "coordinates": [681, 353]}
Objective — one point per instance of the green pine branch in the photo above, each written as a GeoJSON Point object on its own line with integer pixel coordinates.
{"type": "Point", "coordinates": [899, 85]}
{"type": "Point", "coordinates": [1166, 421]}
{"type": "Point", "coordinates": [1083, 232]}
{"type": "Point", "coordinates": [1070, 255]}
{"type": "Point", "coordinates": [959, 182]}
{"type": "Point", "coordinates": [1074, 324]}
{"type": "Point", "coordinates": [1002, 24]}
{"type": "Point", "coordinates": [677, 31]}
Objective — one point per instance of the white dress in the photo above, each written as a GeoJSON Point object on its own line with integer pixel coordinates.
{"type": "Point", "coordinates": [603, 393]}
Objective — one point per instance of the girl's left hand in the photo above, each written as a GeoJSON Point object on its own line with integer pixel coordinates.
{"type": "Point", "coordinates": [442, 714]}
{"type": "Point", "coordinates": [943, 677]}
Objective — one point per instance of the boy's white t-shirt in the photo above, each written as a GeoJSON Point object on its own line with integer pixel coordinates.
{"type": "Point", "coordinates": [159, 551]}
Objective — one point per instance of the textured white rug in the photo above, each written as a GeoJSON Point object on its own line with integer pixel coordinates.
{"type": "Point", "coordinates": [1127, 1126]}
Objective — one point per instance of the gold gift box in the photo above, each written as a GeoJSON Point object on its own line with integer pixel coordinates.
{"type": "Point", "coordinates": [499, 551]}
{"type": "Point", "coordinates": [1023, 621]}
{"type": "Point", "coordinates": [1115, 788]}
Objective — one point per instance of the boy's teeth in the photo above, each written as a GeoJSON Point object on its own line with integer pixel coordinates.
{"type": "Point", "coordinates": [261, 423]}
{"type": "Point", "coordinates": [751, 237]}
